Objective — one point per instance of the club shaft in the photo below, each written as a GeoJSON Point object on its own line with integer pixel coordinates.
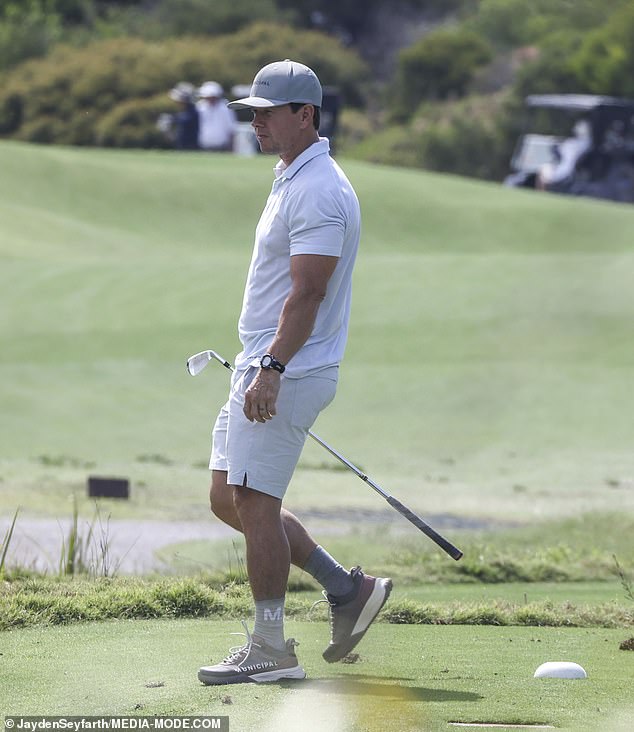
{"type": "Point", "coordinates": [407, 513]}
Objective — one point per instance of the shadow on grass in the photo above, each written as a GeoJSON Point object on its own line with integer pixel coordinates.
{"type": "Point", "coordinates": [374, 686]}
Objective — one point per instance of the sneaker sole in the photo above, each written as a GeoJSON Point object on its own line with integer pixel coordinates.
{"type": "Point", "coordinates": [297, 673]}
{"type": "Point", "coordinates": [372, 608]}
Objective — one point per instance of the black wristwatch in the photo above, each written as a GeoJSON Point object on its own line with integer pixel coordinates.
{"type": "Point", "coordinates": [268, 362]}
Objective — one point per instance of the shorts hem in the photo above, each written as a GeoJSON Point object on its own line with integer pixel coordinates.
{"type": "Point", "coordinates": [237, 478]}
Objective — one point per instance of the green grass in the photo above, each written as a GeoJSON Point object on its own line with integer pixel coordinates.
{"type": "Point", "coordinates": [487, 377]}
{"type": "Point", "coordinates": [489, 356]}
{"type": "Point", "coordinates": [404, 680]}
{"type": "Point", "coordinates": [30, 600]}
{"type": "Point", "coordinates": [572, 550]}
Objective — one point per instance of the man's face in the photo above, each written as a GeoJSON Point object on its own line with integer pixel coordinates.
{"type": "Point", "coordinates": [278, 129]}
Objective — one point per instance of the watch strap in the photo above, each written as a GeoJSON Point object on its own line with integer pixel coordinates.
{"type": "Point", "coordinates": [268, 362]}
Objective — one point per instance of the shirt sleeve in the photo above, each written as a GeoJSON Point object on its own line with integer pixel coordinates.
{"type": "Point", "coordinates": [316, 223]}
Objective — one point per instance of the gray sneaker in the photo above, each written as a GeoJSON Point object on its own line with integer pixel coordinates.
{"type": "Point", "coordinates": [254, 662]}
{"type": "Point", "coordinates": [352, 615]}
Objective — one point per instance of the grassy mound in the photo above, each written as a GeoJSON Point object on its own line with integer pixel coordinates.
{"type": "Point", "coordinates": [489, 357]}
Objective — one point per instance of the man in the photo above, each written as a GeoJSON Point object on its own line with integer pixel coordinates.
{"type": "Point", "coordinates": [293, 329]}
{"type": "Point", "coordinates": [185, 121]}
{"type": "Point", "coordinates": [560, 172]}
{"type": "Point", "coordinates": [217, 121]}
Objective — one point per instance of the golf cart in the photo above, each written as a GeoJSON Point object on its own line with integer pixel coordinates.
{"type": "Point", "coordinates": [584, 147]}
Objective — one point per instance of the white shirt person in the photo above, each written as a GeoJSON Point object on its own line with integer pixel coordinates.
{"type": "Point", "coordinates": [216, 122]}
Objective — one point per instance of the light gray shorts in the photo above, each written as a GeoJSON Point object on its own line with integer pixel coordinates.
{"type": "Point", "coordinates": [264, 456]}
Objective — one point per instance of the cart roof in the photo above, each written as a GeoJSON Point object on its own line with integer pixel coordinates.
{"type": "Point", "coordinates": [580, 102]}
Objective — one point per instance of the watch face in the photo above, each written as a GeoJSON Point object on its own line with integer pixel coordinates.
{"type": "Point", "coordinates": [270, 362]}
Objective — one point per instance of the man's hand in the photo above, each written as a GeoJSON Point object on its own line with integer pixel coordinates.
{"type": "Point", "coordinates": [261, 396]}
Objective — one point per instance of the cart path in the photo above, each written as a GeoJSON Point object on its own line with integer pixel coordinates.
{"type": "Point", "coordinates": [132, 544]}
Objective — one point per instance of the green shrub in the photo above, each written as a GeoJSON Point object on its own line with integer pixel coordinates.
{"type": "Point", "coordinates": [44, 129]}
{"type": "Point", "coordinates": [407, 612]}
{"type": "Point", "coordinates": [111, 92]}
{"type": "Point", "coordinates": [27, 30]}
{"type": "Point", "coordinates": [597, 61]}
{"type": "Point", "coordinates": [440, 66]}
{"type": "Point", "coordinates": [472, 137]}
{"type": "Point", "coordinates": [605, 59]}
{"type": "Point", "coordinates": [191, 17]}
{"type": "Point", "coordinates": [11, 113]}
{"type": "Point", "coordinates": [394, 145]}
{"type": "Point", "coordinates": [552, 70]}
{"type": "Point", "coordinates": [512, 23]}
{"type": "Point", "coordinates": [132, 124]}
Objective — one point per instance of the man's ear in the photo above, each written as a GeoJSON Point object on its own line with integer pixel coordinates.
{"type": "Point", "coordinates": [307, 112]}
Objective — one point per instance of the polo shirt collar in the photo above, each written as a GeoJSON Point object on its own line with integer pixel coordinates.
{"type": "Point", "coordinates": [321, 147]}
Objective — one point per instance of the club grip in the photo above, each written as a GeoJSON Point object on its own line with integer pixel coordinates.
{"type": "Point", "coordinates": [418, 522]}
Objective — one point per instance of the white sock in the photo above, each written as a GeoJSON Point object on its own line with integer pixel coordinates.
{"type": "Point", "coordinates": [269, 622]}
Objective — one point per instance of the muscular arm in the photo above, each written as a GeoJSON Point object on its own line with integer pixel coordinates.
{"type": "Point", "coordinates": [309, 280]}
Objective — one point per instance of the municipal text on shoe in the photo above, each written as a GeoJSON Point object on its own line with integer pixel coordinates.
{"type": "Point", "coordinates": [254, 662]}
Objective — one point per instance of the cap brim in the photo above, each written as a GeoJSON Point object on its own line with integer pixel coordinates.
{"type": "Point", "coordinates": [256, 103]}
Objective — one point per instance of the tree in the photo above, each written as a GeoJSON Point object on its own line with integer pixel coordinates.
{"type": "Point", "coordinates": [346, 19]}
{"type": "Point", "coordinates": [440, 66]}
{"type": "Point", "coordinates": [26, 31]}
{"type": "Point", "coordinates": [605, 60]}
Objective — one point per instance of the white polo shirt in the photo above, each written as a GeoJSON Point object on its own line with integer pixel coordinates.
{"type": "Point", "coordinates": [216, 124]}
{"type": "Point", "coordinates": [312, 209]}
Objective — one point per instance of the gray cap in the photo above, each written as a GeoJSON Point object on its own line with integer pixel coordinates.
{"type": "Point", "coordinates": [282, 82]}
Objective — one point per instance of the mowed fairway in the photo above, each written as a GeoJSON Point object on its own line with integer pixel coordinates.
{"type": "Point", "coordinates": [406, 679]}
{"type": "Point", "coordinates": [488, 377]}
{"type": "Point", "coordinates": [489, 363]}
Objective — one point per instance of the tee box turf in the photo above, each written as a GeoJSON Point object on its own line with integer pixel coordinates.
{"type": "Point", "coordinates": [108, 487]}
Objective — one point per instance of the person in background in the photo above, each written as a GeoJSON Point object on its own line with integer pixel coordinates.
{"type": "Point", "coordinates": [184, 123]}
{"type": "Point", "coordinates": [217, 122]}
{"type": "Point", "coordinates": [567, 155]}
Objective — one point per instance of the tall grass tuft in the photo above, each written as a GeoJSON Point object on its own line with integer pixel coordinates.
{"type": "Point", "coordinates": [626, 582]}
{"type": "Point", "coordinates": [89, 553]}
{"type": "Point", "coordinates": [4, 545]}
{"type": "Point", "coordinates": [237, 574]}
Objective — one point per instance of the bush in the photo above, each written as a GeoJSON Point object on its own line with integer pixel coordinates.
{"type": "Point", "coordinates": [188, 17]}
{"type": "Point", "coordinates": [513, 23]}
{"type": "Point", "coordinates": [471, 136]}
{"type": "Point", "coordinates": [441, 66]}
{"type": "Point", "coordinates": [11, 113]}
{"type": "Point", "coordinates": [605, 59]}
{"type": "Point", "coordinates": [595, 62]}
{"type": "Point", "coordinates": [552, 71]}
{"type": "Point", "coordinates": [132, 124]}
{"type": "Point", "coordinates": [111, 92]}
{"type": "Point", "coordinates": [468, 137]}
{"type": "Point", "coordinates": [26, 31]}
{"type": "Point", "coordinates": [170, 18]}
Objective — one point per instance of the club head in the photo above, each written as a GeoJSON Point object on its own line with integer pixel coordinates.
{"type": "Point", "coordinates": [197, 362]}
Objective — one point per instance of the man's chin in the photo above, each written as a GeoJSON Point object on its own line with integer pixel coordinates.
{"type": "Point", "coordinates": [266, 146]}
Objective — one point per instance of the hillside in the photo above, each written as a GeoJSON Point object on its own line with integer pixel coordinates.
{"type": "Point", "coordinates": [489, 361]}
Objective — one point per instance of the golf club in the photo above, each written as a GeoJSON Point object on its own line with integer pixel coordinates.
{"type": "Point", "coordinates": [197, 362]}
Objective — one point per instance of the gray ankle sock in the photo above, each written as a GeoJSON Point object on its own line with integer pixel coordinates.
{"type": "Point", "coordinates": [269, 622]}
{"type": "Point", "coordinates": [328, 572]}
